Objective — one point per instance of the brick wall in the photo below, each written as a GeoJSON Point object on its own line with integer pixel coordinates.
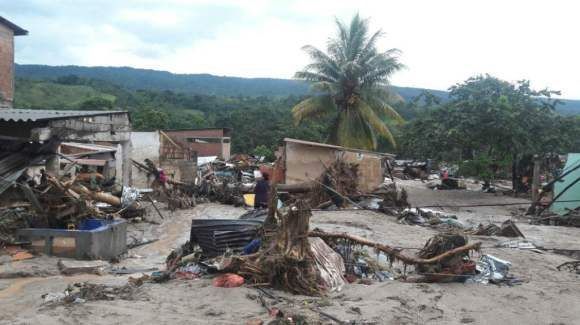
{"type": "Point", "coordinates": [6, 66]}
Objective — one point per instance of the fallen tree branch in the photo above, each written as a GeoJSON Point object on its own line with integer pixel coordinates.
{"type": "Point", "coordinates": [97, 196]}
{"type": "Point", "coordinates": [394, 252]}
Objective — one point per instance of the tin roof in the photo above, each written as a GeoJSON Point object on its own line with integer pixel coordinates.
{"type": "Point", "coordinates": [31, 115]}
{"type": "Point", "coordinates": [331, 146]}
{"type": "Point", "coordinates": [89, 147]}
{"type": "Point", "coordinates": [18, 31]}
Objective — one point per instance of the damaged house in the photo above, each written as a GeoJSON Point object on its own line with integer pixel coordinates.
{"type": "Point", "coordinates": [50, 131]}
{"type": "Point", "coordinates": [206, 142]}
{"type": "Point", "coordinates": [41, 151]}
{"type": "Point", "coordinates": [303, 161]}
{"type": "Point", "coordinates": [177, 152]}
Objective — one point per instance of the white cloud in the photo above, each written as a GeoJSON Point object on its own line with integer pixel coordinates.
{"type": "Point", "coordinates": [443, 42]}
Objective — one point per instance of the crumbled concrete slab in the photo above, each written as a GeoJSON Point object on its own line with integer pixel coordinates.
{"type": "Point", "coordinates": [70, 267]}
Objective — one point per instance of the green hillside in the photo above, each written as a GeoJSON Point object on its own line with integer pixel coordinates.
{"type": "Point", "coordinates": [258, 122]}
{"type": "Point", "coordinates": [50, 95]}
{"type": "Point", "coordinates": [206, 84]}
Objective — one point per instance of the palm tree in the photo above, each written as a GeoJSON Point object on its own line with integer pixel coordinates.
{"type": "Point", "coordinates": [350, 82]}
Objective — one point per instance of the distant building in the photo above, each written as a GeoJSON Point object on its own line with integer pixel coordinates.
{"type": "Point", "coordinates": [7, 32]}
{"type": "Point", "coordinates": [178, 163]}
{"type": "Point", "coordinates": [177, 152]}
{"type": "Point", "coordinates": [206, 142]}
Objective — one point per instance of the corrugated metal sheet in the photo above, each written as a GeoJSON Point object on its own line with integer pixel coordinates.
{"type": "Point", "coordinates": [26, 115]}
{"type": "Point", "coordinates": [573, 193]}
{"type": "Point", "coordinates": [89, 147]}
{"type": "Point", "coordinates": [215, 236]}
{"type": "Point", "coordinates": [12, 164]}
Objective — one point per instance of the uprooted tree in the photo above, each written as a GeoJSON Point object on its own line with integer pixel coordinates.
{"type": "Point", "coordinates": [287, 260]}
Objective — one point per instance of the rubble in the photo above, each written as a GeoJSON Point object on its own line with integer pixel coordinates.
{"type": "Point", "coordinates": [68, 267]}
{"type": "Point", "coordinates": [569, 219]}
{"type": "Point", "coordinates": [507, 229]}
{"type": "Point", "coordinates": [83, 292]}
{"type": "Point", "coordinates": [287, 262]}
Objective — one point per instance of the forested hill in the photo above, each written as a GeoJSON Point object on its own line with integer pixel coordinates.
{"type": "Point", "coordinates": [203, 84]}
{"type": "Point", "coordinates": [207, 84]}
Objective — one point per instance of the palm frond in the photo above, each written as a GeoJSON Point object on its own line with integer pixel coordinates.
{"type": "Point", "coordinates": [380, 100]}
{"type": "Point", "coordinates": [313, 107]}
{"type": "Point", "coordinates": [312, 76]}
{"type": "Point", "coordinates": [353, 131]}
{"type": "Point", "coordinates": [323, 87]}
{"type": "Point", "coordinates": [375, 122]}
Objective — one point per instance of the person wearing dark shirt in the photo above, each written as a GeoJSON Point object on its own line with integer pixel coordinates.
{"type": "Point", "coordinates": [261, 192]}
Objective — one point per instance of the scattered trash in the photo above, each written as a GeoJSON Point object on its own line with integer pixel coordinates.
{"type": "Point", "coordinates": [329, 264]}
{"type": "Point", "coordinates": [252, 247]}
{"type": "Point", "coordinates": [519, 244]}
{"type": "Point", "coordinates": [82, 292]}
{"type": "Point", "coordinates": [383, 276]}
{"type": "Point", "coordinates": [228, 280]}
{"type": "Point", "coordinates": [189, 272]}
{"type": "Point", "coordinates": [491, 269]}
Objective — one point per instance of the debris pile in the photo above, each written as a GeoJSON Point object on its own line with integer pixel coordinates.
{"type": "Point", "coordinates": [338, 182]}
{"type": "Point", "coordinates": [447, 222]}
{"type": "Point", "coordinates": [450, 267]}
{"type": "Point", "coordinates": [227, 181]}
{"type": "Point", "coordinates": [288, 262]}
{"type": "Point", "coordinates": [507, 229]}
{"type": "Point", "coordinates": [85, 291]}
{"type": "Point", "coordinates": [177, 195]}
{"type": "Point", "coordinates": [570, 219]}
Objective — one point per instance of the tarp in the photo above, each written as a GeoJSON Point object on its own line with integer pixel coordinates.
{"type": "Point", "coordinates": [573, 193]}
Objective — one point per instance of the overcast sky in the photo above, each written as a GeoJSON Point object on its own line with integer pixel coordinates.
{"type": "Point", "coordinates": [442, 42]}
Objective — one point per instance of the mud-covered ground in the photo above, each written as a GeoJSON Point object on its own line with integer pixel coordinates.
{"type": "Point", "coordinates": [547, 296]}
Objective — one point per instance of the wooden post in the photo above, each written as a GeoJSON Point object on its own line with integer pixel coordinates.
{"type": "Point", "coordinates": [515, 178]}
{"type": "Point", "coordinates": [536, 182]}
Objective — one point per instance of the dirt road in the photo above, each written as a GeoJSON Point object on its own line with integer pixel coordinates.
{"type": "Point", "coordinates": [546, 297]}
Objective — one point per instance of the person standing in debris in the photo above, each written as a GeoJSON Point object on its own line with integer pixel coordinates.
{"type": "Point", "coordinates": [261, 192]}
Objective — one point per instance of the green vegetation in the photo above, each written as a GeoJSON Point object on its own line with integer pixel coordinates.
{"type": "Point", "coordinates": [53, 95]}
{"type": "Point", "coordinates": [490, 121]}
{"type": "Point", "coordinates": [481, 122]}
{"type": "Point", "coordinates": [205, 84]}
{"type": "Point", "coordinates": [350, 85]}
{"type": "Point", "coordinates": [259, 123]}
{"type": "Point", "coordinates": [484, 120]}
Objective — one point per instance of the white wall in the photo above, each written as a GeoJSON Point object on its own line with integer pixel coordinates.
{"type": "Point", "coordinates": [144, 145]}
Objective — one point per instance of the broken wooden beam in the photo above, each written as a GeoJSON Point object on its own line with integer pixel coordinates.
{"type": "Point", "coordinates": [98, 196]}
{"type": "Point", "coordinates": [394, 252]}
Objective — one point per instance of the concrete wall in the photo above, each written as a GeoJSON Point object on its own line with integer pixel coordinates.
{"type": "Point", "coordinates": [6, 66]}
{"type": "Point", "coordinates": [147, 145]}
{"type": "Point", "coordinates": [305, 162]}
{"type": "Point", "coordinates": [143, 145]}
